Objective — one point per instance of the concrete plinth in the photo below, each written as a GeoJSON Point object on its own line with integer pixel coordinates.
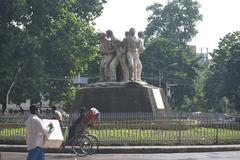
{"type": "Point", "coordinates": [121, 97]}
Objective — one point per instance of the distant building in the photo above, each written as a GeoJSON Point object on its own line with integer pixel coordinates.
{"type": "Point", "coordinates": [193, 48]}
{"type": "Point", "coordinates": [203, 56]}
{"type": "Point", "coordinates": [14, 108]}
{"type": "Point", "coordinates": [24, 105]}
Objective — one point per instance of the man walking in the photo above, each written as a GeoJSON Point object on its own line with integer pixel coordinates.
{"type": "Point", "coordinates": [35, 132]}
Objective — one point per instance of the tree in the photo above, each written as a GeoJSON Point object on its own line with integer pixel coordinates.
{"type": "Point", "coordinates": [175, 21]}
{"type": "Point", "coordinates": [158, 58]}
{"type": "Point", "coordinates": [51, 39]}
{"type": "Point", "coordinates": [198, 102]}
{"type": "Point", "coordinates": [222, 82]}
{"type": "Point", "coordinates": [169, 29]}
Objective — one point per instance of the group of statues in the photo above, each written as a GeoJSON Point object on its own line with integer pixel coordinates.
{"type": "Point", "coordinates": [125, 52]}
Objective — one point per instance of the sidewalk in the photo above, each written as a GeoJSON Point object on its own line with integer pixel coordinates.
{"type": "Point", "coordinates": [134, 149]}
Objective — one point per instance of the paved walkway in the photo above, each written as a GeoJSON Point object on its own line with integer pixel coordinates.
{"type": "Point", "coordinates": [231, 155]}
{"type": "Point", "coordinates": [134, 149]}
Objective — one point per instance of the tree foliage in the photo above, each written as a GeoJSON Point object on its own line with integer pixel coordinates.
{"type": "Point", "coordinates": [169, 29]}
{"type": "Point", "coordinates": [52, 40]}
{"type": "Point", "coordinates": [177, 65]}
{"type": "Point", "coordinates": [175, 21]}
{"type": "Point", "coordinates": [223, 80]}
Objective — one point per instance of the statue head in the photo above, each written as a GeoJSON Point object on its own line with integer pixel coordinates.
{"type": "Point", "coordinates": [132, 31]}
{"type": "Point", "coordinates": [140, 34]}
{"type": "Point", "coordinates": [126, 33]}
{"type": "Point", "coordinates": [101, 36]}
{"type": "Point", "coordinates": [109, 33]}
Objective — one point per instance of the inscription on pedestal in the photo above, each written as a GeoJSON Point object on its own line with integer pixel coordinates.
{"type": "Point", "coordinates": [158, 98]}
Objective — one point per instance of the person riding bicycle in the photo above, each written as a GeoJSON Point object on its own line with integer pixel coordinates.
{"type": "Point", "coordinates": [58, 116]}
{"type": "Point", "coordinates": [86, 120]}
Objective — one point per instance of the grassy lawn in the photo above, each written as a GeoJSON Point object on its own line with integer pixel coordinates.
{"type": "Point", "coordinates": [11, 132]}
{"type": "Point", "coordinates": [196, 136]}
{"type": "Point", "coordinates": [138, 136]}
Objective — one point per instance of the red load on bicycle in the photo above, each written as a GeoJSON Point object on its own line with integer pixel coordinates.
{"type": "Point", "coordinates": [90, 116]}
{"type": "Point", "coordinates": [86, 119]}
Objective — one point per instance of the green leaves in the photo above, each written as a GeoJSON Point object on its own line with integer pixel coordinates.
{"type": "Point", "coordinates": [51, 39]}
{"type": "Point", "coordinates": [225, 73]}
{"type": "Point", "coordinates": [169, 29]}
{"type": "Point", "coordinates": [166, 63]}
{"type": "Point", "coordinates": [176, 21]}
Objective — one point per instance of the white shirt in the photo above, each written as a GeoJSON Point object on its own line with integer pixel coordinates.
{"type": "Point", "coordinates": [58, 115]}
{"type": "Point", "coordinates": [34, 132]}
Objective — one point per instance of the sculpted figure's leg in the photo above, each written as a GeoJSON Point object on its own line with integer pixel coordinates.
{"type": "Point", "coordinates": [139, 69]}
{"type": "Point", "coordinates": [102, 70]}
{"type": "Point", "coordinates": [135, 70]}
{"type": "Point", "coordinates": [135, 65]}
{"type": "Point", "coordinates": [123, 61]}
{"type": "Point", "coordinates": [113, 66]}
{"type": "Point", "coordinates": [131, 65]}
{"type": "Point", "coordinates": [107, 62]}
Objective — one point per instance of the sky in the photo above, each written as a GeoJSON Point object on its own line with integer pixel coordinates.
{"type": "Point", "coordinates": [219, 18]}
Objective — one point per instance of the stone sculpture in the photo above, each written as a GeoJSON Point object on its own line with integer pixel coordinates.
{"type": "Point", "coordinates": [118, 58]}
{"type": "Point", "coordinates": [106, 51]}
{"type": "Point", "coordinates": [126, 53]}
{"type": "Point", "coordinates": [141, 49]}
{"type": "Point", "coordinates": [133, 56]}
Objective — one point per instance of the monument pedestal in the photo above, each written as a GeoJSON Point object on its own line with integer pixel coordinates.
{"type": "Point", "coordinates": [121, 97]}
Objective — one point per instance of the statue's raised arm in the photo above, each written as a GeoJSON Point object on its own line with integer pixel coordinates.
{"type": "Point", "coordinates": [120, 57]}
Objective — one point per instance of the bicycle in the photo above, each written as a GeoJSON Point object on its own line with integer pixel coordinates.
{"type": "Point", "coordinates": [82, 144]}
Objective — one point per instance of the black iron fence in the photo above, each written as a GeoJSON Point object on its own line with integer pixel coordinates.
{"type": "Point", "coordinates": [146, 128]}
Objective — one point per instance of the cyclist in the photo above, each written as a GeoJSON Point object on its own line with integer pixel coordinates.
{"type": "Point", "coordinates": [58, 116]}
{"type": "Point", "coordinates": [86, 120]}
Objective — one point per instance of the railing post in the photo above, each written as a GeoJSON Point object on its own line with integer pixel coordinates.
{"type": "Point", "coordinates": [217, 130]}
{"type": "Point", "coordinates": [178, 129]}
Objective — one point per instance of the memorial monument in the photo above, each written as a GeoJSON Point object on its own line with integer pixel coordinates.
{"type": "Point", "coordinates": [125, 93]}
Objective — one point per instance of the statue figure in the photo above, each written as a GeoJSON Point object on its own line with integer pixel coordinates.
{"type": "Point", "coordinates": [120, 57]}
{"type": "Point", "coordinates": [126, 53]}
{"type": "Point", "coordinates": [134, 62]}
{"type": "Point", "coordinates": [141, 49]}
{"type": "Point", "coordinates": [124, 42]}
{"type": "Point", "coordinates": [106, 51]}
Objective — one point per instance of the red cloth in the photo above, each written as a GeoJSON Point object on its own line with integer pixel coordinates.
{"type": "Point", "coordinates": [89, 117]}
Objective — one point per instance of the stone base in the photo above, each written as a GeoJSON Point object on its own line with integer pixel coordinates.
{"type": "Point", "coordinates": [121, 97]}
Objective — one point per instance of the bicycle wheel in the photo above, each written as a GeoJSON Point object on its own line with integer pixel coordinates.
{"type": "Point", "coordinates": [81, 145]}
{"type": "Point", "coordinates": [94, 143]}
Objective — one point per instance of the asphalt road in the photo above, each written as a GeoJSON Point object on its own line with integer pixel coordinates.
{"type": "Point", "coordinates": [231, 155]}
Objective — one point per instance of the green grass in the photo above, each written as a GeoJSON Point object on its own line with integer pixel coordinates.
{"type": "Point", "coordinates": [138, 136]}
{"type": "Point", "coordinates": [189, 136]}
{"type": "Point", "coordinates": [12, 132]}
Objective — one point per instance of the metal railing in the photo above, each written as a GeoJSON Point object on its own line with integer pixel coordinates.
{"type": "Point", "coordinates": [148, 128]}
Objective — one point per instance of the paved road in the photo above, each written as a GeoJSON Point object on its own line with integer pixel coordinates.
{"type": "Point", "coordinates": [235, 155]}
